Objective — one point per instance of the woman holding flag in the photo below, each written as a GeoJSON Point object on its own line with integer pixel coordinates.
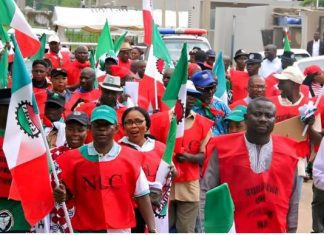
{"type": "Point", "coordinates": [136, 122]}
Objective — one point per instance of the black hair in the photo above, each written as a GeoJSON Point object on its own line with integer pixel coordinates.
{"type": "Point", "coordinates": [139, 50]}
{"type": "Point", "coordinates": [42, 62]}
{"type": "Point", "coordinates": [256, 100]}
{"type": "Point", "coordinates": [49, 63]}
{"type": "Point", "coordinates": [142, 111]}
{"type": "Point", "coordinates": [308, 81]}
{"type": "Point", "coordinates": [200, 56]}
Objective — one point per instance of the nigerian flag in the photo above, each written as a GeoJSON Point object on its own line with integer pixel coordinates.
{"type": "Point", "coordinates": [286, 47]}
{"type": "Point", "coordinates": [219, 210]}
{"type": "Point", "coordinates": [175, 97]}
{"type": "Point", "coordinates": [219, 71]}
{"type": "Point", "coordinates": [105, 42]}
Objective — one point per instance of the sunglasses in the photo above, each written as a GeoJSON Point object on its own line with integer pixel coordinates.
{"type": "Point", "coordinates": [206, 89]}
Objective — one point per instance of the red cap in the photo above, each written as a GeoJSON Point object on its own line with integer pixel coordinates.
{"type": "Point", "coordinates": [120, 71]}
{"type": "Point", "coordinates": [312, 70]}
{"type": "Point", "coordinates": [192, 68]}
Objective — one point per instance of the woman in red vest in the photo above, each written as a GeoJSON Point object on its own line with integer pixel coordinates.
{"type": "Point", "coordinates": [103, 180]}
{"type": "Point", "coordinates": [136, 122]}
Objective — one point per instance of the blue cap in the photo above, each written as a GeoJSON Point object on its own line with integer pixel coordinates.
{"type": "Point", "coordinates": [203, 78]}
{"type": "Point", "coordinates": [211, 53]}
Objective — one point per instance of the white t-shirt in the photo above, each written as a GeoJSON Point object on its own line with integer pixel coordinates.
{"type": "Point", "coordinates": [268, 67]}
{"type": "Point", "coordinates": [316, 45]}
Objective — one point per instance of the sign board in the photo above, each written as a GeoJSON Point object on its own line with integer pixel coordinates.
{"type": "Point", "coordinates": [291, 128]}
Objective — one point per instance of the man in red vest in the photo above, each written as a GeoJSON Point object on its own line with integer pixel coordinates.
{"type": "Point", "coordinates": [103, 177]}
{"type": "Point", "coordinates": [239, 79]}
{"type": "Point", "coordinates": [74, 68]}
{"type": "Point", "coordinates": [56, 55]}
{"type": "Point", "coordinates": [256, 88]}
{"type": "Point", "coordinates": [260, 170]}
{"type": "Point", "coordinates": [86, 91]}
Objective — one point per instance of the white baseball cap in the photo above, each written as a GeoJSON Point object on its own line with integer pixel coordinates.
{"type": "Point", "coordinates": [53, 38]}
{"type": "Point", "coordinates": [291, 73]}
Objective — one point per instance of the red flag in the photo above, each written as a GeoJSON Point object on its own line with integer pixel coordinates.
{"type": "Point", "coordinates": [147, 21]}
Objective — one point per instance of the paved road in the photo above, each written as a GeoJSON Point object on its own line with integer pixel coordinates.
{"type": "Point", "coordinates": [305, 211]}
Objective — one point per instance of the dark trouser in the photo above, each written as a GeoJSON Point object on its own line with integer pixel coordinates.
{"type": "Point", "coordinates": [140, 223]}
{"type": "Point", "coordinates": [318, 210]}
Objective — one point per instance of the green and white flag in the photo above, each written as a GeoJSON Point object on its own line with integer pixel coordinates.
{"type": "Point", "coordinates": [175, 97]}
{"type": "Point", "coordinates": [41, 52]}
{"type": "Point", "coordinates": [286, 46]}
{"type": "Point", "coordinates": [219, 210]}
{"type": "Point", "coordinates": [119, 41]}
{"type": "Point", "coordinates": [219, 71]}
{"type": "Point", "coordinates": [105, 42]}
{"type": "Point", "coordinates": [12, 16]}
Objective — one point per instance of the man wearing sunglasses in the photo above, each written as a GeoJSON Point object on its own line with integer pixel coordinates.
{"type": "Point", "coordinates": [209, 105]}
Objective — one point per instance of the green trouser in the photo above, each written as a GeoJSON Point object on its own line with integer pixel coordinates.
{"type": "Point", "coordinates": [12, 217]}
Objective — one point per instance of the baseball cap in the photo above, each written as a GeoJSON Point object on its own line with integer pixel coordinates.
{"type": "Point", "coordinates": [291, 73]}
{"type": "Point", "coordinates": [104, 112]}
{"type": "Point", "coordinates": [254, 58]}
{"type": "Point", "coordinates": [288, 56]}
{"type": "Point", "coordinates": [313, 69]}
{"type": "Point", "coordinates": [111, 58]}
{"type": "Point", "coordinates": [191, 88]}
{"type": "Point", "coordinates": [111, 83]}
{"type": "Point", "coordinates": [53, 38]}
{"type": "Point", "coordinates": [56, 98]}
{"type": "Point", "coordinates": [239, 53]}
{"type": "Point", "coordinates": [5, 95]}
{"type": "Point", "coordinates": [58, 71]}
{"type": "Point", "coordinates": [80, 117]}
{"type": "Point", "coordinates": [211, 53]}
{"type": "Point", "coordinates": [237, 114]}
{"type": "Point", "coordinates": [203, 78]}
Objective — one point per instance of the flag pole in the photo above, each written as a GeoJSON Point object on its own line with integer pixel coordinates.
{"type": "Point", "coordinates": [155, 95]}
{"type": "Point", "coordinates": [56, 179]}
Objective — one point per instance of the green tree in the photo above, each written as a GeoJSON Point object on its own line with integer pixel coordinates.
{"type": "Point", "coordinates": [313, 3]}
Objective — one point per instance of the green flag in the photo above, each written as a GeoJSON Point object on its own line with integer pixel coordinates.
{"type": "Point", "coordinates": [176, 88]}
{"type": "Point", "coordinates": [286, 47]}
{"type": "Point", "coordinates": [159, 49]}
{"type": "Point", "coordinates": [119, 42]}
{"type": "Point", "coordinates": [41, 52]}
{"type": "Point", "coordinates": [105, 42]}
{"type": "Point", "coordinates": [3, 35]}
{"type": "Point", "coordinates": [219, 210]}
{"type": "Point", "coordinates": [4, 69]}
{"type": "Point", "coordinates": [219, 71]}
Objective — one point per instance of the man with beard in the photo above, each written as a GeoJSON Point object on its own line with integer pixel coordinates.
{"type": "Point", "coordinates": [260, 170]}
{"type": "Point", "coordinates": [57, 56]}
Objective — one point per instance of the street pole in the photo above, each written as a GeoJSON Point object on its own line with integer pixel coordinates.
{"type": "Point", "coordinates": [233, 37]}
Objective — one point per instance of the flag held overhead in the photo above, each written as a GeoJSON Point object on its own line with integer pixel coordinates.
{"type": "Point", "coordinates": [13, 17]}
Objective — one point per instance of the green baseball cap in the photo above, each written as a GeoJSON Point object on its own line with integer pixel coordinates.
{"type": "Point", "coordinates": [104, 112]}
{"type": "Point", "coordinates": [237, 114]}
